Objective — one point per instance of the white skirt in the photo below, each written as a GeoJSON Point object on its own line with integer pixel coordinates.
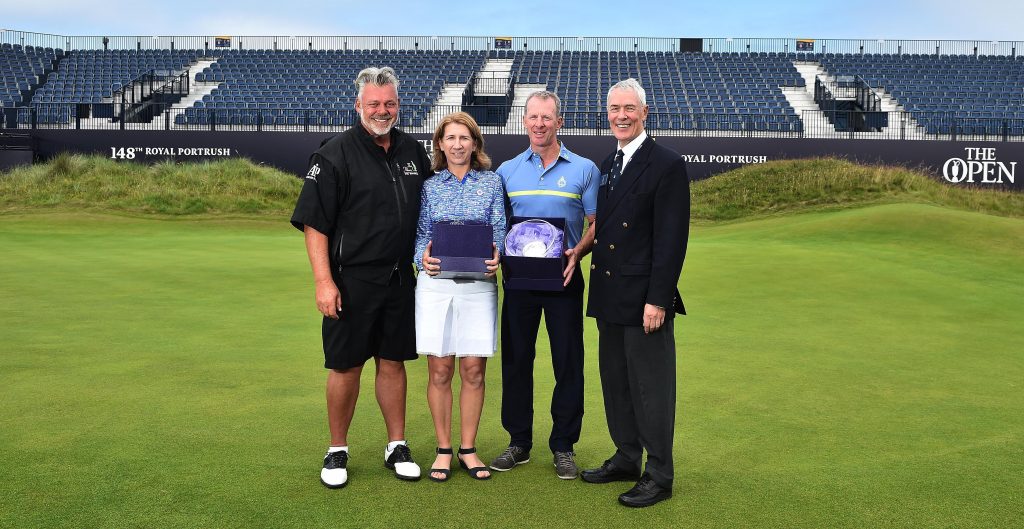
{"type": "Point", "coordinates": [456, 316]}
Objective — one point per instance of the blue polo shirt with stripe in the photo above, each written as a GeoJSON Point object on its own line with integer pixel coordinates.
{"type": "Point", "coordinates": [566, 188]}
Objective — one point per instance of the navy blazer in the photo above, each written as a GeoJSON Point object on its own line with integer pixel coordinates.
{"type": "Point", "coordinates": [640, 240]}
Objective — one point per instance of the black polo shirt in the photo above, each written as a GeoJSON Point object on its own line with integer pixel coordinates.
{"type": "Point", "coordinates": [367, 202]}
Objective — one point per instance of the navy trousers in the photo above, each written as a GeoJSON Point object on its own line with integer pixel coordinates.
{"type": "Point", "coordinates": [638, 380]}
{"type": "Point", "coordinates": [520, 321]}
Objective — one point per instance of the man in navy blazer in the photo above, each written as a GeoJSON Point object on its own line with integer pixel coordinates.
{"type": "Point", "coordinates": [643, 218]}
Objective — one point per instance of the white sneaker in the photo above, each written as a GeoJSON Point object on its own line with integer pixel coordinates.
{"type": "Point", "coordinates": [400, 460]}
{"type": "Point", "coordinates": [334, 475]}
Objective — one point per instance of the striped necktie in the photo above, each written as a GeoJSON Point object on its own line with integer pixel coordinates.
{"type": "Point", "coordinates": [616, 172]}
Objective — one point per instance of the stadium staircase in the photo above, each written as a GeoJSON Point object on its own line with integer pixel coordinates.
{"type": "Point", "coordinates": [802, 99]}
{"type": "Point", "coordinates": [492, 77]}
{"type": "Point", "coordinates": [489, 95]}
{"type": "Point", "coordinates": [449, 101]}
{"type": "Point", "coordinates": [197, 89]}
{"type": "Point", "coordinates": [493, 73]}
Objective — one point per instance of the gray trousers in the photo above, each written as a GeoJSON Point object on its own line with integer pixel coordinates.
{"type": "Point", "coordinates": [638, 380]}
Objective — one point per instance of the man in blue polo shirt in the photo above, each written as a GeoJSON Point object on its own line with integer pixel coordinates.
{"type": "Point", "coordinates": [547, 180]}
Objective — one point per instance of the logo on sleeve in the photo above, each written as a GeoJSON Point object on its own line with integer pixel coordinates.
{"type": "Point", "coordinates": [410, 169]}
{"type": "Point", "coordinates": [313, 172]}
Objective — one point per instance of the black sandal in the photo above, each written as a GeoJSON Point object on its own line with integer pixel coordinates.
{"type": "Point", "coordinates": [475, 471]}
{"type": "Point", "coordinates": [447, 472]}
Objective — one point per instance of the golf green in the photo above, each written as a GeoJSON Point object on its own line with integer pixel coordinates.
{"type": "Point", "coordinates": [857, 368]}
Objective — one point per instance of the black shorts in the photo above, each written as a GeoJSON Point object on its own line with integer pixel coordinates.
{"type": "Point", "coordinates": [375, 321]}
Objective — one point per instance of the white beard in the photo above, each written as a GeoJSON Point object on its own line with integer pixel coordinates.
{"type": "Point", "coordinates": [375, 127]}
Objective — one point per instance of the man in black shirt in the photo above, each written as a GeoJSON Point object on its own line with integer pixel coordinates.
{"type": "Point", "coordinates": [358, 209]}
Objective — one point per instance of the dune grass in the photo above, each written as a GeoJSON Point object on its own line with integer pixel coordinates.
{"type": "Point", "coordinates": [94, 183]}
{"type": "Point", "coordinates": [241, 188]}
{"type": "Point", "coordinates": [788, 186]}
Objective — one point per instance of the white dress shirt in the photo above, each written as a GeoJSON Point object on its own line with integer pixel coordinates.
{"type": "Point", "coordinates": [630, 149]}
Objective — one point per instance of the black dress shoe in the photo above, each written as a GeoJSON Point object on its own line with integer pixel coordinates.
{"type": "Point", "coordinates": [608, 473]}
{"type": "Point", "coordinates": [645, 493]}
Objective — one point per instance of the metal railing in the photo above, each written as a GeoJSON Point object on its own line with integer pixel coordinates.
{"type": "Point", "coordinates": [141, 87]}
{"type": "Point", "coordinates": [491, 83]}
{"type": "Point", "coordinates": [866, 46]}
{"type": "Point", "coordinates": [846, 87]}
{"type": "Point", "coordinates": [868, 100]}
{"type": "Point", "coordinates": [487, 43]}
{"type": "Point", "coordinates": [896, 125]}
{"type": "Point", "coordinates": [823, 91]}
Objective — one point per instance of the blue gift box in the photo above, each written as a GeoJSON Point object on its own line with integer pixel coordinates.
{"type": "Point", "coordinates": [462, 247]}
{"type": "Point", "coordinates": [535, 273]}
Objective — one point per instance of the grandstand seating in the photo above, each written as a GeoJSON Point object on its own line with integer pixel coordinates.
{"type": "Point", "coordinates": [964, 94]}
{"type": "Point", "coordinates": [23, 69]}
{"type": "Point", "coordinates": [684, 90]}
{"type": "Point", "coordinates": [94, 76]}
{"type": "Point", "coordinates": [89, 76]}
{"type": "Point", "coordinates": [983, 94]}
{"type": "Point", "coordinates": [299, 87]}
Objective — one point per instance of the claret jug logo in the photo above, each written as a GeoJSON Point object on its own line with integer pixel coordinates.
{"type": "Point", "coordinates": [979, 165]}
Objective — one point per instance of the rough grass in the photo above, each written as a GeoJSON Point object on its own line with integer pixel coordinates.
{"type": "Point", "coordinates": [242, 188]}
{"type": "Point", "coordinates": [95, 183]}
{"type": "Point", "coordinates": [789, 186]}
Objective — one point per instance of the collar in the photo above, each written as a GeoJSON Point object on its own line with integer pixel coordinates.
{"type": "Point", "coordinates": [630, 149]}
{"type": "Point", "coordinates": [563, 153]}
{"type": "Point", "coordinates": [446, 175]}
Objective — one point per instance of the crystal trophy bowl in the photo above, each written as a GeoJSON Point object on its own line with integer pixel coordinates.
{"type": "Point", "coordinates": [534, 238]}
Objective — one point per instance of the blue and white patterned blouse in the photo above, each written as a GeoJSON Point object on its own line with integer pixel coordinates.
{"type": "Point", "coordinates": [479, 196]}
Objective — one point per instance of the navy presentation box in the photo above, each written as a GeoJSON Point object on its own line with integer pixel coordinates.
{"type": "Point", "coordinates": [462, 247]}
{"type": "Point", "coordinates": [535, 273]}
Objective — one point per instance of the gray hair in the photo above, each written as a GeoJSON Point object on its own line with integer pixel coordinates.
{"type": "Point", "coordinates": [630, 84]}
{"type": "Point", "coordinates": [376, 77]}
{"type": "Point", "coordinates": [544, 94]}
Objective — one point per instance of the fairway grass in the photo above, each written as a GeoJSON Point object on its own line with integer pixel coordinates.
{"type": "Point", "coordinates": [851, 368]}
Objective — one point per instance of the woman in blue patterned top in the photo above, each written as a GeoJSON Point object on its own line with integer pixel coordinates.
{"type": "Point", "coordinates": [457, 318]}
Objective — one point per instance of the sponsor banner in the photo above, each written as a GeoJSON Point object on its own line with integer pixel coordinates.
{"type": "Point", "coordinates": [140, 153]}
{"type": "Point", "coordinates": [959, 163]}
{"type": "Point", "coordinates": [289, 152]}
{"type": "Point", "coordinates": [979, 165]}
